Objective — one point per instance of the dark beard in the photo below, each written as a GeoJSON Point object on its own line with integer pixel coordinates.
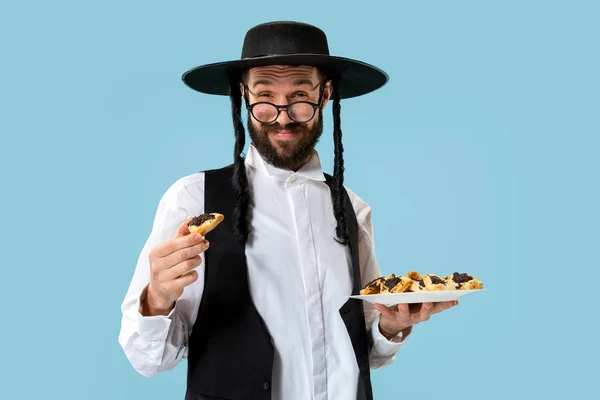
{"type": "Point", "coordinates": [293, 155]}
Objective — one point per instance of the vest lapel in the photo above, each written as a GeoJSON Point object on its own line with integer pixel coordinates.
{"type": "Point", "coordinates": [352, 312]}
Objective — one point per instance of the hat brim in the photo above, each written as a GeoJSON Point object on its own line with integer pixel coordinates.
{"type": "Point", "coordinates": [355, 78]}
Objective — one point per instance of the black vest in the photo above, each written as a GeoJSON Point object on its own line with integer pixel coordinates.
{"type": "Point", "coordinates": [230, 349]}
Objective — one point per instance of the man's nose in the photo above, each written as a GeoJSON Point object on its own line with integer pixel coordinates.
{"type": "Point", "coordinates": [284, 118]}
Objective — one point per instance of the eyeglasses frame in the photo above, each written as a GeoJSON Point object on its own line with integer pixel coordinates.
{"type": "Point", "coordinates": [315, 106]}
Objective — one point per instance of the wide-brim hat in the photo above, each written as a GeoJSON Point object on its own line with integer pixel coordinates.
{"type": "Point", "coordinates": [287, 43]}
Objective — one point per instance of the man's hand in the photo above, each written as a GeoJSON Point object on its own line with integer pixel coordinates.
{"type": "Point", "coordinates": [395, 319]}
{"type": "Point", "coordinates": [172, 266]}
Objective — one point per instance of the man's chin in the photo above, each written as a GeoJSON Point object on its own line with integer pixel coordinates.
{"type": "Point", "coordinates": [284, 145]}
{"type": "Point", "coordinates": [284, 154]}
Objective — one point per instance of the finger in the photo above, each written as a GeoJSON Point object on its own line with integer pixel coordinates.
{"type": "Point", "coordinates": [425, 312]}
{"type": "Point", "coordinates": [404, 312]}
{"type": "Point", "coordinates": [183, 267]}
{"type": "Point", "coordinates": [439, 307]}
{"type": "Point", "coordinates": [415, 308]}
{"type": "Point", "coordinates": [184, 254]}
{"type": "Point", "coordinates": [384, 310]}
{"type": "Point", "coordinates": [171, 246]}
{"type": "Point", "coordinates": [187, 279]}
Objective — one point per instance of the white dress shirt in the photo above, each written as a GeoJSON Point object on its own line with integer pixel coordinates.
{"type": "Point", "coordinates": [299, 278]}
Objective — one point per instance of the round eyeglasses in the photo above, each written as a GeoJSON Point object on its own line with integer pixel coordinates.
{"type": "Point", "coordinates": [299, 111]}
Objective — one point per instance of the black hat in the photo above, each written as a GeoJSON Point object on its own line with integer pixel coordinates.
{"type": "Point", "coordinates": [288, 43]}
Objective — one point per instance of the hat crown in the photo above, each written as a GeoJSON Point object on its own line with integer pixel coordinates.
{"type": "Point", "coordinates": [282, 38]}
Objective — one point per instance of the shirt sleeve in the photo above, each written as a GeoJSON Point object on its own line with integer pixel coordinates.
{"type": "Point", "coordinates": [383, 351]}
{"type": "Point", "coordinates": [157, 343]}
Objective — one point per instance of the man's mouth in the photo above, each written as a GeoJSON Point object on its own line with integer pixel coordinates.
{"type": "Point", "coordinates": [284, 134]}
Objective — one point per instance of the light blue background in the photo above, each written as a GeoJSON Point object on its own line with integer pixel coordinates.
{"type": "Point", "coordinates": [480, 155]}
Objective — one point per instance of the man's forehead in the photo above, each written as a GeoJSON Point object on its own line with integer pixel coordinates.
{"type": "Point", "coordinates": [283, 72]}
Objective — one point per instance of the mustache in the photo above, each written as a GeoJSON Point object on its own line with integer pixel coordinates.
{"type": "Point", "coordinates": [292, 127]}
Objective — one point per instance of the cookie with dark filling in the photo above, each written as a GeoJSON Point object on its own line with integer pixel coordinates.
{"type": "Point", "coordinates": [204, 223]}
{"type": "Point", "coordinates": [387, 284]}
{"type": "Point", "coordinates": [464, 281]}
{"type": "Point", "coordinates": [397, 284]}
{"type": "Point", "coordinates": [414, 275]}
{"type": "Point", "coordinates": [450, 284]}
{"type": "Point", "coordinates": [417, 285]}
{"type": "Point", "coordinates": [373, 287]}
{"type": "Point", "coordinates": [434, 283]}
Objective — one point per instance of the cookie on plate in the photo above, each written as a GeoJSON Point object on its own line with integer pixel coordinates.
{"type": "Point", "coordinates": [417, 285]}
{"type": "Point", "coordinates": [434, 283]}
{"type": "Point", "coordinates": [414, 275]}
{"type": "Point", "coordinates": [373, 287]}
{"type": "Point", "coordinates": [397, 284]}
{"type": "Point", "coordinates": [465, 281]}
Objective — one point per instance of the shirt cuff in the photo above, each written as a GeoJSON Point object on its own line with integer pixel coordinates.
{"type": "Point", "coordinates": [384, 346]}
{"type": "Point", "coordinates": [152, 327]}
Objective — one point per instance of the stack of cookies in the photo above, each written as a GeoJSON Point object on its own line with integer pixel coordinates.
{"type": "Point", "coordinates": [415, 282]}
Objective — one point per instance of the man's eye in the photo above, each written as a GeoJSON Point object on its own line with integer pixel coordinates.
{"type": "Point", "coordinates": [301, 95]}
{"type": "Point", "coordinates": [264, 95]}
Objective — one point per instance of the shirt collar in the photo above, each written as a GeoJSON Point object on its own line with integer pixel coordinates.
{"type": "Point", "coordinates": [311, 170]}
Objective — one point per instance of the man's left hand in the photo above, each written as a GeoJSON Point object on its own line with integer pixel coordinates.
{"type": "Point", "coordinates": [398, 318]}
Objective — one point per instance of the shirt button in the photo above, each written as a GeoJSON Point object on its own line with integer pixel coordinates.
{"type": "Point", "coordinates": [266, 385]}
{"type": "Point", "coordinates": [292, 178]}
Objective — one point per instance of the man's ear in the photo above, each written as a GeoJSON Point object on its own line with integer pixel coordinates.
{"type": "Point", "coordinates": [328, 92]}
{"type": "Point", "coordinates": [242, 88]}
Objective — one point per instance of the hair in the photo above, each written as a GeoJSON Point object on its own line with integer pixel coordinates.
{"type": "Point", "coordinates": [338, 170]}
{"type": "Point", "coordinates": [240, 180]}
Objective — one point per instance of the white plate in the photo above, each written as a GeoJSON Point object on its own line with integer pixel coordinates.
{"type": "Point", "coordinates": [390, 299]}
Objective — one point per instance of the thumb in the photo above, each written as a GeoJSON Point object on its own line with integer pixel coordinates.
{"type": "Point", "coordinates": [183, 229]}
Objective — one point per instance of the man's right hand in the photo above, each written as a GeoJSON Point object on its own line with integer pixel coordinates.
{"type": "Point", "coordinates": [172, 266]}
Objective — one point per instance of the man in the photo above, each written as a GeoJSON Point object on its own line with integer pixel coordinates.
{"type": "Point", "coordinates": [260, 307]}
